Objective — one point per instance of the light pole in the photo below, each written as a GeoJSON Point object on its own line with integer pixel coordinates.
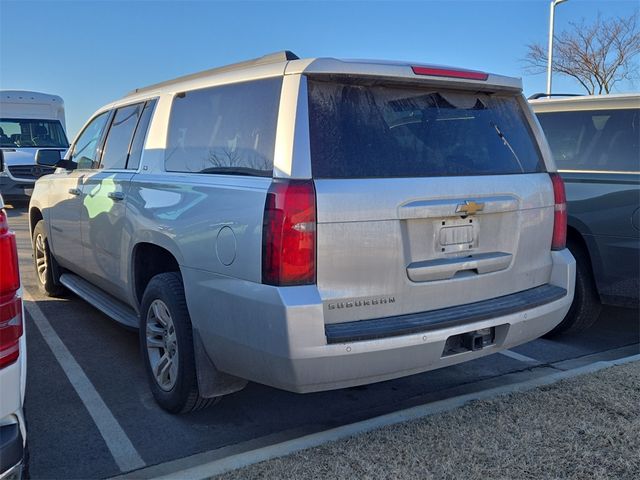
{"type": "Point", "coordinates": [552, 8]}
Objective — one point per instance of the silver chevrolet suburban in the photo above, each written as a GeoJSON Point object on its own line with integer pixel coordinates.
{"type": "Point", "coordinates": [309, 224]}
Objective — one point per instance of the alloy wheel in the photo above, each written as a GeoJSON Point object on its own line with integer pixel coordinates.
{"type": "Point", "coordinates": [162, 345]}
{"type": "Point", "coordinates": [41, 259]}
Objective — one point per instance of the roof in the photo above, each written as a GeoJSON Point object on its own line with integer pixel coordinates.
{"type": "Point", "coordinates": [29, 97]}
{"type": "Point", "coordinates": [277, 57]}
{"type": "Point", "coordinates": [587, 102]}
{"type": "Point", "coordinates": [287, 63]}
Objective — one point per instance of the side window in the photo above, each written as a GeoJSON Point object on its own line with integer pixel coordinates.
{"type": "Point", "coordinates": [228, 129]}
{"type": "Point", "coordinates": [86, 146]}
{"type": "Point", "coordinates": [601, 140]}
{"type": "Point", "coordinates": [138, 138]}
{"type": "Point", "coordinates": [116, 147]}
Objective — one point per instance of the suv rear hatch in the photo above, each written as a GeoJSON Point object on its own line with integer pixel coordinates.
{"type": "Point", "coordinates": [427, 198]}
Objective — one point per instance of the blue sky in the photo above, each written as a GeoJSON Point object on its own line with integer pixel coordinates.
{"type": "Point", "coordinates": [92, 52]}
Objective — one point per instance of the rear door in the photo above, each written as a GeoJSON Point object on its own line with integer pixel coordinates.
{"type": "Point", "coordinates": [103, 221]}
{"type": "Point", "coordinates": [426, 198]}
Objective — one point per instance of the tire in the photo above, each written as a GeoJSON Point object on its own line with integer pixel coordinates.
{"type": "Point", "coordinates": [586, 306]}
{"type": "Point", "coordinates": [47, 269]}
{"type": "Point", "coordinates": [175, 387]}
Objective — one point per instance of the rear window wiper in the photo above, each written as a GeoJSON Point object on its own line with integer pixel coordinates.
{"type": "Point", "coordinates": [507, 144]}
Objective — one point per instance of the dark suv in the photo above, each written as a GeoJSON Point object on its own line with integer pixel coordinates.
{"type": "Point", "coordinates": [596, 144]}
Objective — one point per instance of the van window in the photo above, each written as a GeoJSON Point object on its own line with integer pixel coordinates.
{"type": "Point", "coordinates": [228, 129]}
{"type": "Point", "coordinates": [17, 133]}
{"type": "Point", "coordinates": [362, 129]}
{"type": "Point", "coordinates": [116, 146]}
{"type": "Point", "coordinates": [601, 140]}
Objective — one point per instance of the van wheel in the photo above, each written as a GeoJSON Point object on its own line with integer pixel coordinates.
{"type": "Point", "coordinates": [586, 306]}
{"type": "Point", "coordinates": [167, 345]}
{"type": "Point", "coordinates": [47, 269]}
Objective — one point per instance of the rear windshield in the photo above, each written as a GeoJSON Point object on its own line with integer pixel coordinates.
{"type": "Point", "coordinates": [603, 140]}
{"type": "Point", "coordinates": [363, 131]}
{"type": "Point", "coordinates": [18, 132]}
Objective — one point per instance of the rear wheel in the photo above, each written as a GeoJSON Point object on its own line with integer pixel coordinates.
{"type": "Point", "coordinates": [167, 345]}
{"type": "Point", "coordinates": [586, 306]}
{"type": "Point", "coordinates": [47, 269]}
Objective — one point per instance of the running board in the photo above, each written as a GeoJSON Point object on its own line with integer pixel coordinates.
{"type": "Point", "coordinates": [104, 302]}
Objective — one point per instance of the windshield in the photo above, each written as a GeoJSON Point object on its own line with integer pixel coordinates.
{"type": "Point", "coordinates": [18, 132]}
{"type": "Point", "coordinates": [366, 130]}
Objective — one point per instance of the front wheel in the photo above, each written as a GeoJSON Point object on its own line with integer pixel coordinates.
{"type": "Point", "coordinates": [166, 341]}
{"type": "Point", "coordinates": [47, 269]}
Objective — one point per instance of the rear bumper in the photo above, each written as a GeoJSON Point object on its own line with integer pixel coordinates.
{"type": "Point", "coordinates": [277, 336]}
{"type": "Point", "coordinates": [460, 315]}
{"type": "Point", "coordinates": [11, 452]}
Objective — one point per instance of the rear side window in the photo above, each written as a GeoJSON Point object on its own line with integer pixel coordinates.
{"type": "Point", "coordinates": [605, 140]}
{"type": "Point", "coordinates": [138, 138]}
{"type": "Point", "coordinates": [360, 130]}
{"type": "Point", "coordinates": [228, 129]}
{"type": "Point", "coordinates": [116, 147]}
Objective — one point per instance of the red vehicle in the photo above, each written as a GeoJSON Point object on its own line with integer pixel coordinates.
{"type": "Point", "coordinates": [13, 356]}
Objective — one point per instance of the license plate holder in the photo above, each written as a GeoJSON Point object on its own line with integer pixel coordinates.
{"type": "Point", "coordinates": [456, 234]}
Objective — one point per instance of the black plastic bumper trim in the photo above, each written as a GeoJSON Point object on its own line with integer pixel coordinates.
{"type": "Point", "coordinates": [11, 448]}
{"type": "Point", "coordinates": [443, 318]}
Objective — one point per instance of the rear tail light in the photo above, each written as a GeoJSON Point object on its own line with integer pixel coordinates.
{"type": "Point", "coordinates": [10, 329]}
{"type": "Point", "coordinates": [559, 239]}
{"type": "Point", "coordinates": [9, 274]}
{"type": "Point", "coordinates": [450, 73]}
{"type": "Point", "coordinates": [289, 234]}
{"type": "Point", "coordinates": [10, 302]}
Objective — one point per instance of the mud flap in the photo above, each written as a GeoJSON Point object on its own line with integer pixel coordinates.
{"type": "Point", "coordinates": [211, 381]}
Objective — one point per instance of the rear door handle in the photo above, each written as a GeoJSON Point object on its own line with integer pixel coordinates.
{"type": "Point", "coordinates": [75, 191]}
{"type": "Point", "coordinates": [117, 196]}
{"type": "Point", "coordinates": [445, 268]}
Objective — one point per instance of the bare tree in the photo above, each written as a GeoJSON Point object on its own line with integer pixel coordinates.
{"type": "Point", "coordinates": [597, 55]}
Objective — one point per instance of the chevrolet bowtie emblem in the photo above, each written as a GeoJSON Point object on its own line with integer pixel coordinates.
{"type": "Point", "coordinates": [469, 207]}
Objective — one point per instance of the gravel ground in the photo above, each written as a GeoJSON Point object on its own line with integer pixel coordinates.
{"type": "Point", "coordinates": [586, 427]}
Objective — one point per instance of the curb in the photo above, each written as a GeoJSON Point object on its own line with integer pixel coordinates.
{"type": "Point", "coordinates": [233, 462]}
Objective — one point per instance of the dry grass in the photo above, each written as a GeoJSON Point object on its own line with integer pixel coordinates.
{"type": "Point", "coordinates": [587, 427]}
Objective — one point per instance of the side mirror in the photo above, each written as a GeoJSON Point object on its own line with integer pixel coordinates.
{"type": "Point", "coordinates": [53, 158]}
{"type": "Point", "coordinates": [48, 158]}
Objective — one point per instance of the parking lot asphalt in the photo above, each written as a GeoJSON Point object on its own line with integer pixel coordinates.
{"type": "Point", "coordinates": [67, 440]}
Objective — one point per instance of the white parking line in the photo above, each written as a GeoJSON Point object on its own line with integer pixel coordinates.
{"type": "Point", "coordinates": [520, 357]}
{"type": "Point", "coordinates": [123, 451]}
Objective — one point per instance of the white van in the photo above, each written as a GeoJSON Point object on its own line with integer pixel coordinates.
{"type": "Point", "coordinates": [29, 121]}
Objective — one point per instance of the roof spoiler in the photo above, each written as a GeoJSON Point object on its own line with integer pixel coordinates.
{"type": "Point", "coordinates": [536, 96]}
{"type": "Point", "coordinates": [276, 57]}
